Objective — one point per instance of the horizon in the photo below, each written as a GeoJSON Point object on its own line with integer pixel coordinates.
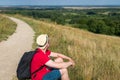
{"type": "Point", "coordinates": [58, 2]}
{"type": "Point", "coordinates": [67, 5]}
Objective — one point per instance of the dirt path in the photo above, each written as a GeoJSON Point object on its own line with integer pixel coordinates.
{"type": "Point", "coordinates": [12, 49]}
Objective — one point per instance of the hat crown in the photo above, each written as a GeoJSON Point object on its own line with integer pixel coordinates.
{"type": "Point", "coordinates": [42, 40]}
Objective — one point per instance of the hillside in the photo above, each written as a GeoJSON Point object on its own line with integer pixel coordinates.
{"type": "Point", "coordinates": [97, 56]}
{"type": "Point", "coordinates": [7, 27]}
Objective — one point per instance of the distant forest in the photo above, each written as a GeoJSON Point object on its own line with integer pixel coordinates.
{"type": "Point", "coordinates": [100, 21]}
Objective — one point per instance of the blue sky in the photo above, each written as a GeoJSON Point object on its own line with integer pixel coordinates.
{"type": "Point", "coordinates": [59, 2]}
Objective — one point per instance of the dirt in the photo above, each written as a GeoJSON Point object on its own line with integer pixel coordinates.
{"type": "Point", "coordinates": [13, 48]}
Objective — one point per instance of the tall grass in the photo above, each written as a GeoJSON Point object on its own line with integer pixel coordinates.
{"type": "Point", "coordinates": [7, 27]}
{"type": "Point", "coordinates": [97, 57]}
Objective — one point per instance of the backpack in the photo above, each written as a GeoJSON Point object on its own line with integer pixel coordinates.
{"type": "Point", "coordinates": [23, 69]}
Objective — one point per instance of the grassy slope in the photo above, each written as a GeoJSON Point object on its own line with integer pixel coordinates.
{"type": "Point", "coordinates": [97, 57]}
{"type": "Point", "coordinates": [7, 27]}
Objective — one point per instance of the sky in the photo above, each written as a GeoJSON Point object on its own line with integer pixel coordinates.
{"type": "Point", "coordinates": [59, 2]}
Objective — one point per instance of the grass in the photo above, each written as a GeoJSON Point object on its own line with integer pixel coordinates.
{"type": "Point", "coordinates": [7, 27]}
{"type": "Point", "coordinates": [97, 57]}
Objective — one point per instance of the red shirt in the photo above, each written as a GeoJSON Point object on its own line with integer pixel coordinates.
{"type": "Point", "coordinates": [39, 59]}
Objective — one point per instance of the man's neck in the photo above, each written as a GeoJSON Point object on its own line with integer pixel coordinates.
{"type": "Point", "coordinates": [43, 50]}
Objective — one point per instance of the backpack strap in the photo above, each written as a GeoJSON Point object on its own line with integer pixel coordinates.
{"type": "Point", "coordinates": [37, 70]}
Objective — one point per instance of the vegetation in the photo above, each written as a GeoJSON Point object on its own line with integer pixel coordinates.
{"type": "Point", "coordinates": [101, 21]}
{"type": "Point", "coordinates": [97, 56]}
{"type": "Point", "coordinates": [7, 27]}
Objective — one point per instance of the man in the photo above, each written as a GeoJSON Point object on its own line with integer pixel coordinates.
{"type": "Point", "coordinates": [52, 70]}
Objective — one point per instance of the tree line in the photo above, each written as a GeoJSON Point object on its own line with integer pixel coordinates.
{"type": "Point", "coordinates": [101, 21]}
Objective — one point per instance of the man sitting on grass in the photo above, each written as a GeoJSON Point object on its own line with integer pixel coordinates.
{"type": "Point", "coordinates": [52, 70]}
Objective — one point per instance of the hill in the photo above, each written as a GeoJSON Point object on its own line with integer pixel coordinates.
{"type": "Point", "coordinates": [7, 27]}
{"type": "Point", "coordinates": [97, 56]}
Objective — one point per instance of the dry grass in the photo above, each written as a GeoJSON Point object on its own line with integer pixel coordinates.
{"type": "Point", "coordinates": [7, 27]}
{"type": "Point", "coordinates": [97, 57]}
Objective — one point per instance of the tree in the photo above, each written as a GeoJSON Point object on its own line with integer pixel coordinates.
{"type": "Point", "coordinates": [92, 25]}
{"type": "Point", "coordinates": [60, 20]}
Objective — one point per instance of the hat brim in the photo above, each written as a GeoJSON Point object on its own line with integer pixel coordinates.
{"type": "Point", "coordinates": [42, 47]}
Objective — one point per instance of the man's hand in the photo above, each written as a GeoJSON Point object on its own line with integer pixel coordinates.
{"type": "Point", "coordinates": [73, 63]}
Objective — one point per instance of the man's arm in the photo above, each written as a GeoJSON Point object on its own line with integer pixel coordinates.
{"type": "Point", "coordinates": [53, 64]}
{"type": "Point", "coordinates": [53, 54]}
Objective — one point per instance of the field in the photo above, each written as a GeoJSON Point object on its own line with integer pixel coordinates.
{"type": "Point", "coordinates": [7, 27]}
{"type": "Point", "coordinates": [98, 20]}
{"type": "Point", "coordinates": [96, 56]}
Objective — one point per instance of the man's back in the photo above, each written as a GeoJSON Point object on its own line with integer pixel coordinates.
{"type": "Point", "coordinates": [39, 59]}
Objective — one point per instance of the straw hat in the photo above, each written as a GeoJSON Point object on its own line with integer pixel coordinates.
{"type": "Point", "coordinates": [42, 40]}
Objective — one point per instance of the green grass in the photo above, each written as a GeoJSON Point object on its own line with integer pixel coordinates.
{"type": "Point", "coordinates": [97, 57]}
{"type": "Point", "coordinates": [7, 28]}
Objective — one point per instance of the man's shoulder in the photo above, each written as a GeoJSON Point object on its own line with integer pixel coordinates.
{"type": "Point", "coordinates": [48, 52]}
